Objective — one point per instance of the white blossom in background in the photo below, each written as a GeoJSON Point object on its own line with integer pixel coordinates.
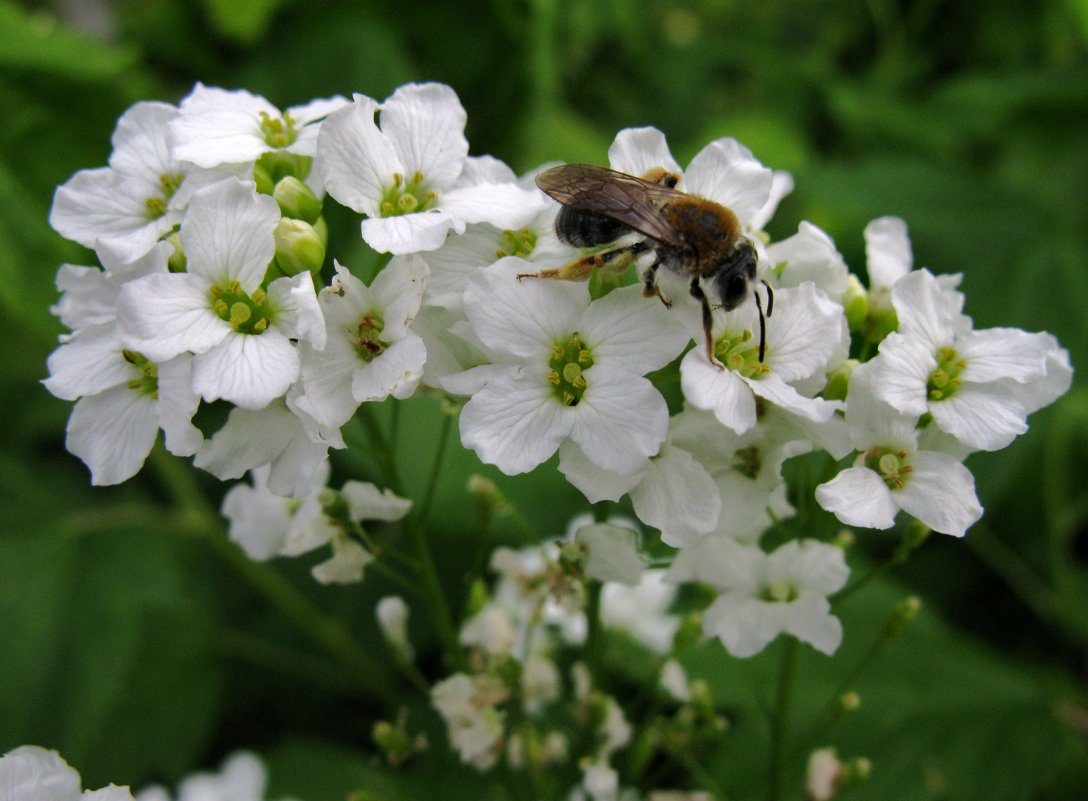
{"type": "Point", "coordinates": [962, 378]}
{"type": "Point", "coordinates": [140, 196]}
{"type": "Point", "coordinates": [263, 522]}
{"type": "Point", "coordinates": [474, 725]}
{"type": "Point", "coordinates": [642, 610]}
{"type": "Point", "coordinates": [33, 773]}
{"type": "Point", "coordinates": [242, 777]}
{"type": "Point", "coordinates": [802, 336]}
{"type": "Point", "coordinates": [404, 172]}
{"type": "Point", "coordinates": [891, 472]}
{"type": "Point", "coordinates": [763, 595]}
{"type": "Point", "coordinates": [368, 352]}
{"type": "Point", "coordinates": [239, 332]}
{"type": "Point", "coordinates": [808, 255]}
{"type": "Point", "coordinates": [219, 126]}
{"type": "Point", "coordinates": [392, 614]}
{"type": "Point", "coordinates": [564, 367]}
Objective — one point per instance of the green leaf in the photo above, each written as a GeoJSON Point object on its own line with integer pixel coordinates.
{"type": "Point", "coordinates": [108, 657]}
{"type": "Point", "coordinates": [36, 42]}
{"type": "Point", "coordinates": [244, 21]}
{"type": "Point", "coordinates": [941, 716]}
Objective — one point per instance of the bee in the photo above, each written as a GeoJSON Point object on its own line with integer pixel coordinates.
{"type": "Point", "coordinates": [687, 235]}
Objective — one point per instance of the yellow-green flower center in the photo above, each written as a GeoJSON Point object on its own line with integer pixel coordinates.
{"type": "Point", "coordinates": [278, 131]}
{"type": "Point", "coordinates": [945, 380]}
{"type": "Point", "coordinates": [739, 352]}
{"type": "Point", "coordinates": [148, 382]}
{"type": "Point", "coordinates": [156, 206]}
{"type": "Point", "coordinates": [247, 314]}
{"type": "Point", "coordinates": [516, 243]}
{"type": "Point", "coordinates": [893, 466]}
{"type": "Point", "coordinates": [568, 364]}
{"type": "Point", "coordinates": [406, 197]}
{"type": "Point", "coordinates": [778, 592]}
{"type": "Point", "coordinates": [368, 341]}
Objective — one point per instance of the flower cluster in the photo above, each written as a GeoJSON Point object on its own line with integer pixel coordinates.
{"type": "Point", "coordinates": [214, 286]}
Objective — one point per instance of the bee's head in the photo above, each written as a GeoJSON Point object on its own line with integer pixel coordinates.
{"type": "Point", "coordinates": [735, 275]}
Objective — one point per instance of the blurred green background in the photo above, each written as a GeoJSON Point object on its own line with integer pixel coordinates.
{"type": "Point", "coordinates": [142, 650]}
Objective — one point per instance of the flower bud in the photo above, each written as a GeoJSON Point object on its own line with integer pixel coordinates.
{"type": "Point", "coordinates": [838, 382]}
{"type": "Point", "coordinates": [177, 262]}
{"type": "Point", "coordinates": [855, 303]}
{"type": "Point", "coordinates": [297, 200]}
{"type": "Point", "coordinates": [392, 614]}
{"type": "Point", "coordinates": [298, 247]}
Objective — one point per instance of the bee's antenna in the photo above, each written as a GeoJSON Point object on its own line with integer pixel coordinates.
{"type": "Point", "coordinates": [762, 324]}
{"type": "Point", "coordinates": [770, 297]}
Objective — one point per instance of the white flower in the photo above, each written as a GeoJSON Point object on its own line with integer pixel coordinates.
{"type": "Point", "coordinates": [240, 332]}
{"type": "Point", "coordinates": [263, 523]}
{"type": "Point", "coordinates": [613, 553]}
{"type": "Point", "coordinates": [242, 777]}
{"type": "Point", "coordinates": [764, 595]}
{"type": "Point", "coordinates": [217, 126]}
{"type": "Point", "coordinates": [892, 473]}
{"type": "Point", "coordinates": [369, 352]}
{"type": "Point", "coordinates": [600, 781]}
{"type": "Point", "coordinates": [392, 615]}
{"type": "Point", "coordinates": [566, 368]}
{"type": "Point", "coordinates": [33, 773]}
{"type": "Point", "coordinates": [642, 610]}
{"type": "Point", "coordinates": [406, 175]}
{"type": "Point", "coordinates": [960, 377]}
{"type": "Point", "coordinates": [473, 724]}
{"type": "Point", "coordinates": [802, 336]}
{"type": "Point", "coordinates": [279, 436]}
{"type": "Point", "coordinates": [139, 197]}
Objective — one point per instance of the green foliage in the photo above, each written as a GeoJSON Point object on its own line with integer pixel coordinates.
{"type": "Point", "coordinates": [134, 652]}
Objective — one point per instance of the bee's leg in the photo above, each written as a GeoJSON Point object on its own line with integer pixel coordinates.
{"type": "Point", "coordinates": [616, 260]}
{"type": "Point", "coordinates": [708, 322]}
{"type": "Point", "coordinates": [650, 287]}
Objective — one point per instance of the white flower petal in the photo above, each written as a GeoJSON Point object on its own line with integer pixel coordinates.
{"type": "Point", "coordinates": [744, 624]}
{"type": "Point", "coordinates": [630, 331]}
{"type": "Point", "coordinates": [1003, 353]}
{"type": "Point", "coordinates": [515, 422]}
{"type": "Point", "coordinates": [164, 315]}
{"type": "Point", "coordinates": [425, 123]}
{"type": "Point", "coordinates": [524, 319]}
{"type": "Point", "coordinates": [804, 332]}
{"type": "Point", "coordinates": [940, 493]}
{"type": "Point", "coordinates": [858, 496]}
{"type": "Point", "coordinates": [367, 502]}
{"type": "Point", "coordinates": [720, 561]}
{"type": "Point", "coordinates": [89, 362]}
{"type": "Point", "coordinates": [621, 421]}
{"type": "Point", "coordinates": [613, 553]}
{"type": "Point", "coordinates": [810, 255]}
{"type": "Point", "coordinates": [983, 416]}
{"type": "Point", "coordinates": [726, 172]}
{"type": "Point", "coordinates": [355, 159]}
{"type": "Point", "coordinates": [719, 391]}
{"type": "Point", "coordinates": [409, 233]}
{"type": "Point", "coordinates": [298, 314]}
{"type": "Point", "coordinates": [219, 126]}
{"type": "Point", "coordinates": [596, 483]}
{"type": "Point", "coordinates": [177, 405]}
{"type": "Point", "coordinates": [505, 206]}
{"type": "Point", "coordinates": [397, 372]}
{"type": "Point", "coordinates": [772, 388]}
{"type": "Point", "coordinates": [228, 234]}
{"type": "Point", "coordinates": [635, 151]}
{"type": "Point", "coordinates": [678, 497]}
{"type": "Point", "coordinates": [112, 432]}
{"type": "Point", "coordinates": [921, 309]}
{"type": "Point", "coordinates": [249, 439]}
{"type": "Point", "coordinates": [887, 251]}
{"type": "Point", "coordinates": [901, 373]}
{"type": "Point", "coordinates": [810, 566]}
{"type": "Point", "coordinates": [249, 370]}
{"type": "Point", "coordinates": [809, 619]}
{"type": "Point", "coordinates": [398, 289]}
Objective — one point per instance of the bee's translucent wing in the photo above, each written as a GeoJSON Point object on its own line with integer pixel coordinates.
{"type": "Point", "coordinates": [615, 195]}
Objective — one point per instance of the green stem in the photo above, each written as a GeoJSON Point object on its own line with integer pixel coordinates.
{"type": "Point", "coordinates": [781, 718]}
{"type": "Point", "coordinates": [198, 519]}
{"type": "Point", "coordinates": [594, 632]}
{"type": "Point", "coordinates": [436, 469]}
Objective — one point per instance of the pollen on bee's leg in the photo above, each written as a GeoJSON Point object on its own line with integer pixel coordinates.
{"type": "Point", "coordinates": [541, 274]}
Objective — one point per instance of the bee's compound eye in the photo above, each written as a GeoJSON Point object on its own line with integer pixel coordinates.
{"type": "Point", "coordinates": [733, 290]}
